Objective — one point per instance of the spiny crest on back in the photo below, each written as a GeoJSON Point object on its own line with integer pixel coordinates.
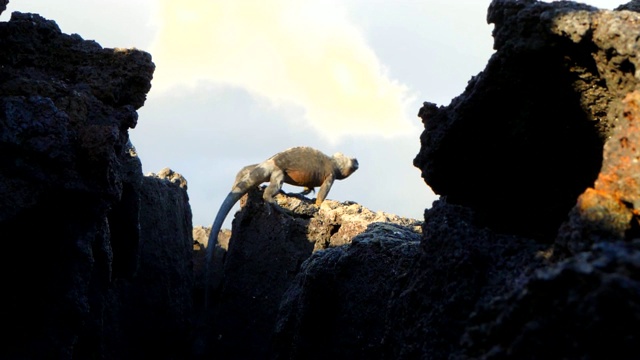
{"type": "Point", "coordinates": [345, 164]}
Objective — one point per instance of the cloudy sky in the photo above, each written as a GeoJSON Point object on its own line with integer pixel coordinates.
{"type": "Point", "coordinates": [237, 81]}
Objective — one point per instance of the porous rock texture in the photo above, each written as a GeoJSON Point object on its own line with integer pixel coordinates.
{"type": "Point", "coordinates": [96, 258]}
{"type": "Point", "coordinates": [265, 254]}
{"type": "Point", "coordinates": [542, 145]}
{"type": "Point", "coordinates": [532, 251]}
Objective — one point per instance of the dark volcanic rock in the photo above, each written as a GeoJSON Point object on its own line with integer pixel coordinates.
{"type": "Point", "coordinates": [532, 251]}
{"type": "Point", "coordinates": [3, 5]}
{"type": "Point", "coordinates": [633, 5]}
{"type": "Point", "coordinates": [609, 210]}
{"type": "Point", "coordinates": [587, 307]}
{"type": "Point", "coordinates": [543, 127]}
{"type": "Point", "coordinates": [107, 266]}
{"type": "Point", "coordinates": [526, 137]}
{"type": "Point", "coordinates": [265, 254]}
{"type": "Point", "coordinates": [156, 303]}
{"type": "Point", "coordinates": [337, 307]}
{"type": "Point", "coordinates": [461, 265]}
{"type": "Point", "coordinates": [388, 296]}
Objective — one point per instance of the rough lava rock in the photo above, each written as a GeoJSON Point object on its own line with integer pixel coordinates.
{"type": "Point", "coordinates": [336, 306]}
{"type": "Point", "coordinates": [92, 250]}
{"type": "Point", "coordinates": [586, 307]}
{"type": "Point", "coordinates": [531, 252]}
{"type": "Point", "coordinates": [266, 252]}
{"type": "Point", "coordinates": [610, 210]}
{"type": "Point", "coordinates": [526, 136]}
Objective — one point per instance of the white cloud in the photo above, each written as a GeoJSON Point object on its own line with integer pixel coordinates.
{"type": "Point", "coordinates": [295, 53]}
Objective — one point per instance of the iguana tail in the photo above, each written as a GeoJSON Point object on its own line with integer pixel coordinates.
{"type": "Point", "coordinates": [226, 206]}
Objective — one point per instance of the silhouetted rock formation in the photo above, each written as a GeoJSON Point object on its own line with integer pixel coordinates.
{"type": "Point", "coordinates": [528, 131]}
{"type": "Point", "coordinates": [532, 251]}
{"type": "Point", "coordinates": [536, 161]}
{"type": "Point", "coordinates": [265, 253]}
{"type": "Point", "coordinates": [96, 258]}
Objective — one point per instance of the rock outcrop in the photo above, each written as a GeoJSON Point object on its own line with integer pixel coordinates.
{"type": "Point", "coordinates": [531, 252]}
{"type": "Point", "coordinates": [93, 251]}
{"type": "Point", "coordinates": [265, 254]}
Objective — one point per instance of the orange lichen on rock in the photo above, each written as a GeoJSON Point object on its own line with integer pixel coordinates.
{"type": "Point", "coordinates": [604, 212]}
{"type": "Point", "coordinates": [610, 209]}
{"type": "Point", "coordinates": [621, 168]}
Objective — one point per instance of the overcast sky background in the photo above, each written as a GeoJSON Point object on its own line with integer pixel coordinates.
{"type": "Point", "coordinates": [237, 81]}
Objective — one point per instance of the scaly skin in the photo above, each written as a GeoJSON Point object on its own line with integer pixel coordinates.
{"type": "Point", "coordinates": [298, 166]}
